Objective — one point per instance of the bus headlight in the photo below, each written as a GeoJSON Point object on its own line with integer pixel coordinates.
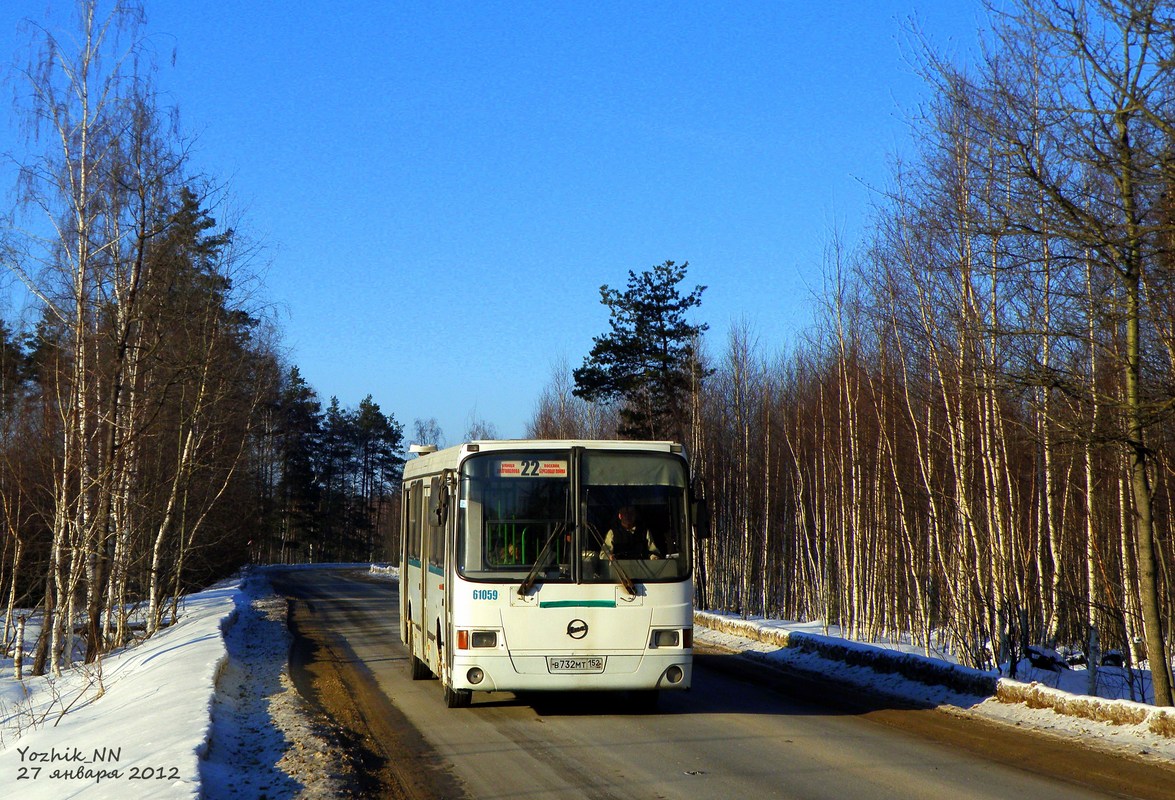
{"type": "Point", "coordinates": [674, 674]}
{"type": "Point", "coordinates": [666, 639]}
{"type": "Point", "coordinates": [484, 638]}
{"type": "Point", "coordinates": [467, 639]}
{"type": "Point", "coordinates": [475, 675]}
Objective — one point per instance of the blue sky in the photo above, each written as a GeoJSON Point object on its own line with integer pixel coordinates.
{"type": "Point", "coordinates": [440, 189]}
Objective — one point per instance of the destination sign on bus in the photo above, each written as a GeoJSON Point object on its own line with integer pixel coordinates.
{"type": "Point", "coordinates": [532, 468]}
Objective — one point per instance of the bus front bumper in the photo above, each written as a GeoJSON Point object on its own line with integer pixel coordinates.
{"type": "Point", "coordinates": [572, 672]}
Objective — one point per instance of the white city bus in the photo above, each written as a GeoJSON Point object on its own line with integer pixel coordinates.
{"type": "Point", "coordinates": [511, 580]}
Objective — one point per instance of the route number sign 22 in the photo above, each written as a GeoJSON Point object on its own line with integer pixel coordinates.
{"type": "Point", "coordinates": [532, 468]}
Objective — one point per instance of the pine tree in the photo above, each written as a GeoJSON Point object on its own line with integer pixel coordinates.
{"type": "Point", "coordinates": [380, 441]}
{"type": "Point", "coordinates": [647, 361]}
{"type": "Point", "coordinates": [299, 431]}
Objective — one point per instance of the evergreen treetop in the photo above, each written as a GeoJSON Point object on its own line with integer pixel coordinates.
{"type": "Point", "coordinates": [647, 361]}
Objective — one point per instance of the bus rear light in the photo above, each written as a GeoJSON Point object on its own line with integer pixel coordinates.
{"type": "Point", "coordinates": [687, 637]}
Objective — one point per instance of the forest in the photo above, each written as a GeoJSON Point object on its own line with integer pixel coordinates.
{"type": "Point", "coordinates": [972, 445]}
{"type": "Point", "coordinates": [152, 436]}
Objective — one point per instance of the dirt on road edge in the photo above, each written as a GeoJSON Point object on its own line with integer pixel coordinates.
{"type": "Point", "coordinates": [394, 760]}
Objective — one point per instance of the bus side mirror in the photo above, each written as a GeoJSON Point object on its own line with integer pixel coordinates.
{"type": "Point", "coordinates": [702, 518]}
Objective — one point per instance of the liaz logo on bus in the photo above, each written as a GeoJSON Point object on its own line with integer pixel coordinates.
{"type": "Point", "coordinates": [532, 468]}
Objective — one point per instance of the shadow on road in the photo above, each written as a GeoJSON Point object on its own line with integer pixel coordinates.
{"type": "Point", "coordinates": [723, 683]}
{"type": "Point", "coordinates": [244, 744]}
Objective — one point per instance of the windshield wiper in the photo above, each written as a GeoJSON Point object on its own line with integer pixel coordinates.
{"type": "Point", "coordinates": [539, 562]}
{"type": "Point", "coordinates": [621, 575]}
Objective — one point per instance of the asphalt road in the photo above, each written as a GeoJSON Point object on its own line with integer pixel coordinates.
{"type": "Point", "coordinates": [741, 732]}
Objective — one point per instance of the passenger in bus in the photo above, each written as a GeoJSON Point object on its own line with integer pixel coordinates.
{"type": "Point", "coordinates": [505, 553]}
{"type": "Point", "coordinates": [629, 539]}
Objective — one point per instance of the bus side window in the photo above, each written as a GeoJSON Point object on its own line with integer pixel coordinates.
{"type": "Point", "coordinates": [412, 534]}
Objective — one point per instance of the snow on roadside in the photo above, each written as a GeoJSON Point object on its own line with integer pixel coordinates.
{"type": "Point", "coordinates": [265, 739]}
{"type": "Point", "coordinates": [206, 708]}
{"type": "Point", "coordinates": [1027, 704]}
{"type": "Point", "coordinates": [136, 725]}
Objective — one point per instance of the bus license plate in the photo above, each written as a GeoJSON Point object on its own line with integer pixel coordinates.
{"type": "Point", "coordinates": [581, 664]}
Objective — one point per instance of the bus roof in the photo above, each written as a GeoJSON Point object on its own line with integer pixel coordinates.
{"type": "Point", "coordinates": [450, 457]}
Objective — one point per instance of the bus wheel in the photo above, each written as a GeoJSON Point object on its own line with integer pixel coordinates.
{"type": "Point", "coordinates": [457, 698]}
{"type": "Point", "coordinates": [419, 669]}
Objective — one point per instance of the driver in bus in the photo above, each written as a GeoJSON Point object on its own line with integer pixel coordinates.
{"type": "Point", "coordinates": [628, 539]}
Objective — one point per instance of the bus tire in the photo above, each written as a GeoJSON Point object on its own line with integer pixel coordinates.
{"type": "Point", "coordinates": [419, 670]}
{"type": "Point", "coordinates": [457, 698]}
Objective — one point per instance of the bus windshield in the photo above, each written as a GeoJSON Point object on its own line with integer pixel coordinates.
{"type": "Point", "coordinates": [519, 522]}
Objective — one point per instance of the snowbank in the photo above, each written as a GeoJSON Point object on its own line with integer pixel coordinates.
{"type": "Point", "coordinates": [137, 724]}
{"type": "Point", "coordinates": [922, 671]}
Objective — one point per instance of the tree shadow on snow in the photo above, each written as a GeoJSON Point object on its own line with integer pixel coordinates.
{"type": "Point", "coordinates": [244, 745]}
